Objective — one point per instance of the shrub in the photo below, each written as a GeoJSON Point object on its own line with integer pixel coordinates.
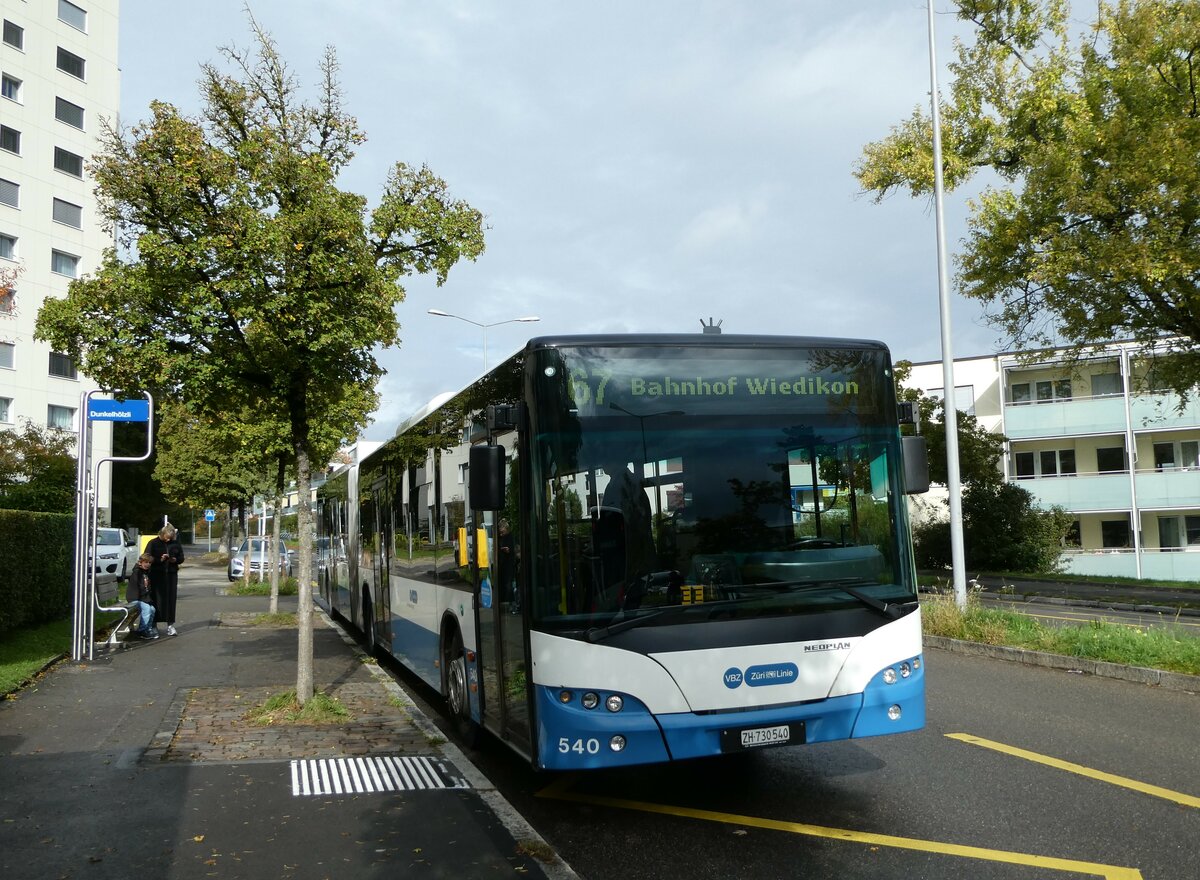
{"type": "Point", "coordinates": [37, 558]}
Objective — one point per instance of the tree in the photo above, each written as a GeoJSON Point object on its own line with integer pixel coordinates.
{"type": "Point", "coordinates": [1003, 531]}
{"type": "Point", "coordinates": [1092, 231]}
{"type": "Point", "coordinates": [37, 469]}
{"type": "Point", "coordinates": [247, 280]}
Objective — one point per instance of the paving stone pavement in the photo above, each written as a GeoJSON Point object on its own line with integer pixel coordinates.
{"type": "Point", "coordinates": [211, 724]}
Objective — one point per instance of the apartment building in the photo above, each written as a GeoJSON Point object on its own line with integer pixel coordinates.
{"type": "Point", "coordinates": [1104, 441]}
{"type": "Point", "coordinates": [58, 79]}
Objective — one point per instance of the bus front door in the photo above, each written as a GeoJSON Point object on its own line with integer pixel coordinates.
{"type": "Point", "coordinates": [501, 636]}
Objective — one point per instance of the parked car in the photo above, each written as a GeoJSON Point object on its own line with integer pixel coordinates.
{"type": "Point", "coordinates": [117, 552]}
{"type": "Point", "coordinates": [257, 553]}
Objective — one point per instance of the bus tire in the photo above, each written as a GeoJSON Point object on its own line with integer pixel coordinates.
{"type": "Point", "coordinates": [458, 699]}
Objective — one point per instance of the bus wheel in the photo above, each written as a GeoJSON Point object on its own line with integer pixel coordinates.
{"type": "Point", "coordinates": [458, 700]}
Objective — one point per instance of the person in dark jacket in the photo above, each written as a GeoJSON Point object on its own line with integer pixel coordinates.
{"type": "Point", "coordinates": [167, 553]}
{"type": "Point", "coordinates": [139, 592]}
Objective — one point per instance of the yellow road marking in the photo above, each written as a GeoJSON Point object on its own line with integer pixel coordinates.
{"type": "Point", "coordinates": [559, 791]}
{"type": "Point", "coordinates": [1185, 799]}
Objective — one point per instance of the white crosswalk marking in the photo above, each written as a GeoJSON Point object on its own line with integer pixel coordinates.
{"type": "Point", "coordinates": [324, 776]}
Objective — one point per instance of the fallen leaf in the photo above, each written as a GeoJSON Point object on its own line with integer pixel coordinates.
{"type": "Point", "coordinates": [198, 838]}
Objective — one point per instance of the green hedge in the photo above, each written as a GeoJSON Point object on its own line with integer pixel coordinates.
{"type": "Point", "coordinates": [37, 559]}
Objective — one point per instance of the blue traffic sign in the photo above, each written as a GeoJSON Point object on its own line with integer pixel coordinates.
{"type": "Point", "coordinates": [118, 410]}
{"type": "Point", "coordinates": [210, 515]}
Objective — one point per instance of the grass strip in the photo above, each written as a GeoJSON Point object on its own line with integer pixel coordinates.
{"type": "Point", "coordinates": [26, 650]}
{"type": "Point", "coordinates": [284, 708]}
{"type": "Point", "coordinates": [1167, 648]}
{"type": "Point", "coordinates": [288, 587]}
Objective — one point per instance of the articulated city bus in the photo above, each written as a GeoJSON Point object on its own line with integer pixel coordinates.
{"type": "Point", "coordinates": [615, 550]}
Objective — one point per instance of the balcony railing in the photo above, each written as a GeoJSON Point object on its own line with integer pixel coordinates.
{"type": "Point", "coordinates": [1065, 417]}
{"type": "Point", "coordinates": [1081, 492]}
{"type": "Point", "coordinates": [1159, 565]}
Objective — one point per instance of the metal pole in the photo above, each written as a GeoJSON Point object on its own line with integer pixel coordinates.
{"type": "Point", "coordinates": [951, 412]}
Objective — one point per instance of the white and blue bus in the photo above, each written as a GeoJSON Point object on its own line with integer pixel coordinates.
{"type": "Point", "coordinates": [615, 550]}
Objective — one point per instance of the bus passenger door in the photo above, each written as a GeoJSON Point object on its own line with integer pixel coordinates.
{"type": "Point", "coordinates": [501, 630]}
{"type": "Point", "coordinates": [383, 590]}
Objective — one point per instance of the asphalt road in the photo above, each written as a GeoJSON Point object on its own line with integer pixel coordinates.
{"type": "Point", "coordinates": [982, 792]}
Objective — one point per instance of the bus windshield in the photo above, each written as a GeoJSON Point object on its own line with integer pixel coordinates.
{"type": "Point", "coordinates": [722, 483]}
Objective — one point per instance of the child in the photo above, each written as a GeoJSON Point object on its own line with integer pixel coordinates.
{"type": "Point", "coordinates": [138, 592]}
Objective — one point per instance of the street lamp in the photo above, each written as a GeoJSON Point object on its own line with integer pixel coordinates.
{"type": "Point", "coordinates": [528, 319]}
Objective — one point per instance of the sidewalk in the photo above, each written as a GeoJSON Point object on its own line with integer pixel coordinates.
{"type": "Point", "coordinates": [142, 763]}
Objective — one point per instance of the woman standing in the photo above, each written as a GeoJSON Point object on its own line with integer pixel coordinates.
{"type": "Point", "coordinates": [164, 574]}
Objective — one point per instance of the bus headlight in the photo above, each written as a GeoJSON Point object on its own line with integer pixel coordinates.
{"type": "Point", "coordinates": [590, 700]}
{"type": "Point", "coordinates": [617, 743]}
{"type": "Point", "coordinates": [905, 670]}
{"type": "Point", "coordinates": [894, 712]}
{"type": "Point", "coordinates": [889, 676]}
{"type": "Point", "coordinates": [564, 697]}
{"type": "Point", "coordinates": [614, 703]}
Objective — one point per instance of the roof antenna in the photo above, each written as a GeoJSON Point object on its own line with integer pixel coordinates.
{"type": "Point", "coordinates": [712, 326]}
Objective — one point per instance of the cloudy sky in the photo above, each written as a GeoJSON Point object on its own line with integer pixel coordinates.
{"type": "Point", "coordinates": [642, 166]}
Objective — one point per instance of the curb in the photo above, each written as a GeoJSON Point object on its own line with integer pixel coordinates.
{"type": "Point", "coordinates": [516, 825]}
{"type": "Point", "coordinates": [1172, 681]}
{"type": "Point", "coordinates": [1026, 598]}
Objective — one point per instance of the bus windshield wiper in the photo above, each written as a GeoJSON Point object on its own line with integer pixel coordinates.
{"type": "Point", "coordinates": [890, 610]}
{"type": "Point", "coordinates": [599, 633]}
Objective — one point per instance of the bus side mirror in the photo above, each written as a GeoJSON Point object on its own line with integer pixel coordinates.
{"type": "Point", "coordinates": [915, 455]}
{"type": "Point", "coordinates": [486, 464]}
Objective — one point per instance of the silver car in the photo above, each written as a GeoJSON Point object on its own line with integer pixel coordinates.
{"type": "Point", "coordinates": [256, 553]}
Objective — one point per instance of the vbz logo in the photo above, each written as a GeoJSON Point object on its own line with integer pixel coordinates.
{"type": "Point", "coordinates": [733, 677]}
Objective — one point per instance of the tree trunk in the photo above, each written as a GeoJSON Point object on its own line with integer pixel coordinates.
{"type": "Point", "coordinates": [304, 526]}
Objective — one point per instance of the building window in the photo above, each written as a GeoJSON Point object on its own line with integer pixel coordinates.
{"type": "Point", "coordinates": [10, 193]}
{"type": "Point", "coordinates": [10, 87]}
{"type": "Point", "coordinates": [1114, 533]}
{"type": "Point", "coordinates": [14, 35]}
{"type": "Point", "coordinates": [62, 366]}
{"type": "Point", "coordinates": [1066, 462]}
{"type": "Point", "coordinates": [1050, 390]}
{"type": "Point", "coordinates": [964, 398]}
{"type": "Point", "coordinates": [68, 214]}
{"type": "Point", "coordinates": [60, 417]}
{"type": "Point", "coordinates": [1045, 463]}
{"type": "Point", "coordinates": [1111, 460]}
{"type": "Point", "coordinates": [72, 15]}
{"type": "Point", "coordinates": [1191, 527]}
{"type": "Point", "coordinates": [8, 246]}
{"type": "Point", "coordinates": [7, 355]}
{"type": "Point", "coordinates": [68, 162]}
{"type": "Point", "coordinates": [1072, 538]}
{"type": "Point", "coordinates": [1164, 456]}
{"type": "Point", "coordinates": [1020, 393]}
{"type": "Point", "coordinates": [71, 114]}
{"type": "Point", "coordinates": [8, 300]}
{"type": "Point", "coordinates": [10, 139]}
{"type": "Point", "coordinates": [64, 264]}
{"type": "Point", "coordinates": [1106, 384]}
{"type": "Point", "coordinates": [69, 62]}
{"type": "Point", "coordinates": [6, 409]}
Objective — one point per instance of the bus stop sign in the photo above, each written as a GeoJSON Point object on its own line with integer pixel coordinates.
{"type": "Point", "coordinates": [118, 410]}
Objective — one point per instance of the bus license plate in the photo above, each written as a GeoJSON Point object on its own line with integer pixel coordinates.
{"type": "Point", "coordinates": [757, 737]}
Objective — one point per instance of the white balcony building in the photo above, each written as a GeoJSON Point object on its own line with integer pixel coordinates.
{"type": "Point", "coordinates": [1104, 442]}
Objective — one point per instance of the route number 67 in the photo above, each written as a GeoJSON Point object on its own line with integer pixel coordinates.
{"type": "Point", "coordinates": [566, 745]}
{"type": "Point", "coordinates": [580, 388]}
